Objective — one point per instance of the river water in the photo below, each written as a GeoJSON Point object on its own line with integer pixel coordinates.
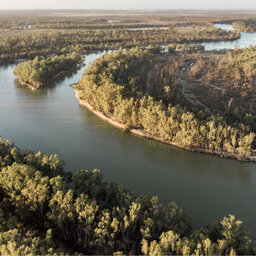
{"type": "Point", "coordinates": [246, 40]}
{"type": "Point", "coordinates": [51, 120]}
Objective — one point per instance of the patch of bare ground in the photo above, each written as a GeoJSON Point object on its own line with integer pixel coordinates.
{"type": "Point", "coordinates": [187, 91]}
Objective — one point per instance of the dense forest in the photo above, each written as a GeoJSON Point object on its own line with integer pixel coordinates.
{"type": "Point", "coordinates": [42, 33]}
{"type": "Point", "coordinates": [118, 86]}
{"type": "Point", "coordinates": [41, 71]}
{"type": "Point", "coordinates": [186, 97]}
{"type": "Point", "coordinates": [231, 82]}
{"type": "Point", "coordinates": [46, 210]}
{"type": "Point", "coordinates": [60, 42]}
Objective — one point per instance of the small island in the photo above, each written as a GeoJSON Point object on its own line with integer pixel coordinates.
{"type": "Point", "coordinates": [41, 71]}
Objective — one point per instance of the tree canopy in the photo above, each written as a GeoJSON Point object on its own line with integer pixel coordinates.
{"type": "Point", "coordinates": [40, 70]}
{"type": "Point", "coordinates": [117, 85]}
{"type": "Point", "coordinates": [46, 210]}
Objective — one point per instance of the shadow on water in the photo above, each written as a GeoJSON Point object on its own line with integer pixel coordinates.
{"type": "Point", "coordinates": [206, 187]}
{"type": "Point", "coordinates": [164, 155]}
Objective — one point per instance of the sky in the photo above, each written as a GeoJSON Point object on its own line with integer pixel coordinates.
{"type": "Point", "coordinates": [128, 4]}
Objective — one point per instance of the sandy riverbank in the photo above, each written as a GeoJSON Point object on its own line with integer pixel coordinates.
{"type": "Point", "coordinates": [142, 133]}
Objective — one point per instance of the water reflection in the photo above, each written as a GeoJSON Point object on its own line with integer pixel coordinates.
{"type": "Point", "coordinates": [246, 40]}
{"type": "Point", "coordinates": [166, 156]}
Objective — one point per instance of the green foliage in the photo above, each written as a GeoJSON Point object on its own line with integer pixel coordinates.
{"type": "Point", "coordinates": [185, 48]}
{"type": "Point", "coordinates": [41, 211]}
{"type": "Point", "coordinates": [116, 85]}
{"type": "Point", "coordinates": [86, 37]}
{"type": "Point", "coordinates": [40, 71]}
{"type": "Point", "coordinates": [17, 242]}
{"type": "Point", "coordinates": [26, 189]}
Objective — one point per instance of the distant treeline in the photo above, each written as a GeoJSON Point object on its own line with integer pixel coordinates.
{"type": "Point", "coordinates": [75, 19]}
{"type": "Point", "coordinates": [82, 41]}
{"type": "Point", "coordinates": [47, 211]}
{"type": "Point", "coordinates": [245, 25]}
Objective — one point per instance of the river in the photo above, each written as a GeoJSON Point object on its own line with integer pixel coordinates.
{"type": "Point", "coordinates": [244, 41]}
{"type": "Point", "coordinates": [50, 120]}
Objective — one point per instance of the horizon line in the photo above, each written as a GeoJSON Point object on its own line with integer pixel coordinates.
{"type": "Point", "coordinates": [130, 9]}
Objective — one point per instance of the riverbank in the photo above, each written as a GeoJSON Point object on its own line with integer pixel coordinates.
{"type": "Point", "coordinates": [143, 166]}
{"type": "Point", "coordinates": [35, 87]}
{"type": "Point", "coordinates": [142, 133]}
